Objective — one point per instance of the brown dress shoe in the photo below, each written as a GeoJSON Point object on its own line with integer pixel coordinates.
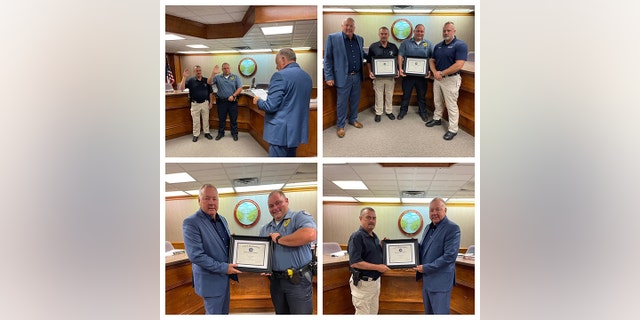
{"type": "Point", "coordinates": [356, 124]}
{"type": "Point", "coordinates": [340, 132]}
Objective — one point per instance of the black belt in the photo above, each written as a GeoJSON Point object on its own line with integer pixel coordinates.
{"type": "Point", "coordinates": [284, 275]}
{"type": "Point", "coordinates": [367, 278]}
{"type": "Point", "coordinates": [453, 74]}
{"type": "Point", "coordinates": [198, 101]}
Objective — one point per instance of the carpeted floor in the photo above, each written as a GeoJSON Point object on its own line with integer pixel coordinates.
{"type": "Point", "coordinates": [408, 137]}
{"type": "Point", "coordinates": [246, 146]}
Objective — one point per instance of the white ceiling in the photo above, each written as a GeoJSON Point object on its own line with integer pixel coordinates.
{"type": "Point", "coordinates": [304, 31]}
{"type": "Point", "coordinates": [222, 175]}
{"type": "Point", "coordinates": [456, 181]}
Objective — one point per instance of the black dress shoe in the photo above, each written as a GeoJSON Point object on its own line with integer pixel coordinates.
{"type": "Point", "coordinates": [219, 136]}
{"type": "Point", "coordinates": [433, 122]}
{"type": "Point", "coordinates": [378, 118]}
{"type": "Point", "coordinates": [391, 116]}
{"type": "Point", "coordinates": [401, 115]}
{"type": "Point", "coordinates": [235, 137]}
{"type": "Point", "coordinates": [195, 139]}
{"type": "Point", "coordinates": [424, 117]}
{"type": "Point", "coordinates": [208, 136]}
{"type": "Point", "coordinates": [449, 135]}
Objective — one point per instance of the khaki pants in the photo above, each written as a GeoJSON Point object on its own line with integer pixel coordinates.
{"type": "Point", "coordinates": [365, 296]}
{"type": "Point", "coordinates": [383, 88]}
{"type": "Point", "coordinates": [446, 91]}
{"type": "Point", "coordinates": [198, 109]}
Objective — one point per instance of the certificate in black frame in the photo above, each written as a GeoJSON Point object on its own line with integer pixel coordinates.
{"type": "Point", "coordinates": [377, 64]}
{"type": "Point", "coordinates": [251, 253]}
{"type": "Point", "coordinates": [416, 66]}
{"type": "Point", "coordinates": [392, 248]}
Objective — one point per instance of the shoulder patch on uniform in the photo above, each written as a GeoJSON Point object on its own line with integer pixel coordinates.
{"type": "Point", "coordinates": [304, 212]}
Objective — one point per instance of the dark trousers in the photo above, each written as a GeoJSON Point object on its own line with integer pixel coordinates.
{"type": "Point", "coordinates": [408, 83]}
{"type": "Point", "coordinates": [225, 107]}
{"type": "Point", "coordinates": [282, 151]}
{"type": "Point", "coordinates": [289, 298]}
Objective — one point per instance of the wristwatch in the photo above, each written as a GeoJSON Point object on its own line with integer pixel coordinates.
{"type": "Point", "coordinates": [278, 239]}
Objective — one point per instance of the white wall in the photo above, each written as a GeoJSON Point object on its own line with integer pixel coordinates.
{"type": "Point", "coordinates": [178, 210]}
{"type": "Point", "coordinates": [340, 220]}
{"type": "Point", "coordinates": [265, 61]}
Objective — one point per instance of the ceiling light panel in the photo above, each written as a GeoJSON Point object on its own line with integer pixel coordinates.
{"type": "Point", "coordinates": [350, 184]}
{"type": "Point", "coordinates": [178, 177]}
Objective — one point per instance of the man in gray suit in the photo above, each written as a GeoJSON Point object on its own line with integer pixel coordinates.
{"type": "Point", "coordinates": [206, 239]}
{"type": "Point", "coordinates": [344, 68]}
{"type": "Point", "coordinates": [438, 253]}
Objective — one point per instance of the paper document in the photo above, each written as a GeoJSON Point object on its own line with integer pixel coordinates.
{"type": "Point", "coordinates": [339, 253]}
{"type": "Point", "coordinates": [260, 93]}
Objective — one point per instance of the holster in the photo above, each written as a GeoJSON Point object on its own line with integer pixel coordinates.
{"type": "Point", "coordinates": [355, 275]}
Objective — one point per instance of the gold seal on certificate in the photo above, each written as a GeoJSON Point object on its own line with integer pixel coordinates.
{"type": "Point", "coordinates": [252, 254]}
{"type": "Point", "coordinates": [397, 254]}
{"type": "Point", "coordinates": [416, 66]}
{"type": "Point", "coordinates": [384, 66]}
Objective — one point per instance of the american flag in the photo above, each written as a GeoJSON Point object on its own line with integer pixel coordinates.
{"type": "Point", "coordinates": [169, 75]}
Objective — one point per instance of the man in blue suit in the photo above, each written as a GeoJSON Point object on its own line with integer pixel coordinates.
{"type": "Point", "coordinates": [344, 68]}
{"type": "Point", "coordinates": [438, 253]}
{"type": "Point", "coordinates": [286, 119]}
{"type": "Point", "coordinates": [206, 239]}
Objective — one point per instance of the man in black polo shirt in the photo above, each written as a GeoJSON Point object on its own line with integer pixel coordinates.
{"type": "Point", "coordinates": [365, 259]}
{"type": "Point", "coordinates": [201, 96]}
{"type": "Point", "coordinates": [383, 85]}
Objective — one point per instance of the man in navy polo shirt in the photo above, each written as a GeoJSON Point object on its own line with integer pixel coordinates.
{"type": "Point", "coordinates": [365, 259]}
{"type": "Point", "coordinates": [201, 96]}
{"type": "Point", "coordinates": [383, 85]}
{"type": "Point", "coordinates": [417, 47]}
{"type": "Point", "coordinates": [448, 58]}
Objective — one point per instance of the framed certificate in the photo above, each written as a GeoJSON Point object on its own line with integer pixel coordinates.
{"type": "Point", "coordinates": [384, 66]}
{"type": "Point", "coordinates": [251, 253]}
{"type": "Point", "coordinates": [416, 66]}
{"type": "Point", "coordinates": [398, 254]}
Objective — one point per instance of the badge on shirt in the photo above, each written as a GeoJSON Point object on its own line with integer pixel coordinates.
{"type": "Point", "coordinates": [424, 44]}
{"type": "Point", "coordinates": [286, 222]}
{"type": "Point", "coordinates": [232, 78]}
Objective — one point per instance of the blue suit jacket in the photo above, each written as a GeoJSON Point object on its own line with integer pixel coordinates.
{"type": "Point", "coordinates": [335, 59]}
{"type": "Point", "coordinates": [286, 119]}
{"type": "Point", "coordinates": [438, 256]}
{"type": "Point", "coordinates": [208, 254]}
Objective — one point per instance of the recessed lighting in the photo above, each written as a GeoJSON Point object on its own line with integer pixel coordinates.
{"type": "Point", "coordinates": [378, 200]}
{"type": "Point", "coordinates": [350, 185]}
{"type": "Point", "coordinates": [301, 184]}
{"type": "Point", "coordinates": [171, 36]}
{"type": "Point", "coordinates": [264, 187]}
{"type": "Point", "coordinates": [301, 48]}
{"type": "Point", "coordinates": [197, 46]}
{"type": "Point", "coordinates": [178, 177]}
{"type": "Point", "coordinates": [412, 10]}
{"type": "Point", "coordinates": [268, 31]}
{"type": "Point", "coordinates": [256, 50]}
{"type": "Point", "coordinates": [452, 10]}
{"type": "Point", "coordinates": [365, 10]}
{"type": "Point", "coordinates": [328, 9]}
{"type": "Point", "coordinates": [175, 194]}
{"type": "Point", "coordinates": [339, 199]}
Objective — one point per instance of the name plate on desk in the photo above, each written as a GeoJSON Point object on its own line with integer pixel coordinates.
{"type": "Point", "coordinates": [252, 254]}
{"type": "Point", "coordinates": [398, 254]}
